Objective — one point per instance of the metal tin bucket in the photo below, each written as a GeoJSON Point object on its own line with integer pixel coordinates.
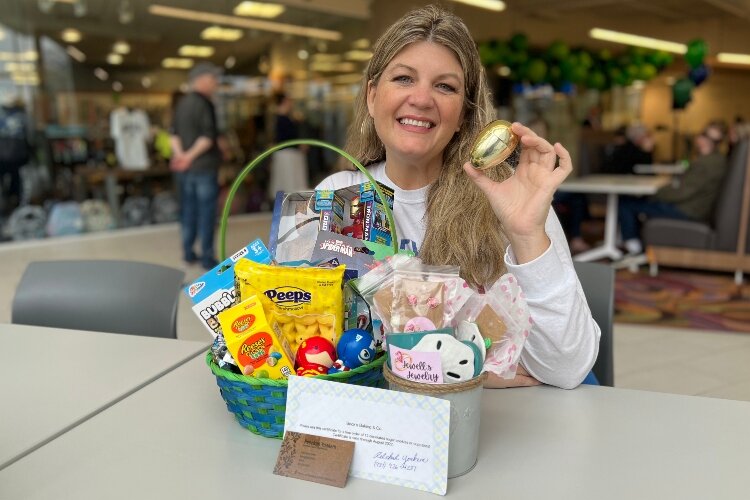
{"type": "Point", "coordinates": [466, 406]}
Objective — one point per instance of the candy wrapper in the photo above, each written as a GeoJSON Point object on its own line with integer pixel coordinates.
{"type": "Point", "coordinates": [299, 302]}
{"type": "Point", "coordinates": [503, 316]}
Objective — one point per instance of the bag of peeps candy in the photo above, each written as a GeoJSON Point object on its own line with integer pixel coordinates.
{"type": "Point", "coordinates": [502, 316]}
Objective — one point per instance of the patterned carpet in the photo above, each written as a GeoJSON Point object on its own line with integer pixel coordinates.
{"type": "Point", "coordinates": [682, 299]}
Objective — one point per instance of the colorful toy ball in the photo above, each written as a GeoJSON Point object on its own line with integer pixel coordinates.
{"type": "Point", "coordinates": [356, 347]}
{"type": "Point", "coordinates": [314, 356]}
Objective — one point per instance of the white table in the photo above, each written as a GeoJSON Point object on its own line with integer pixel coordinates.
{"type": "Point", "coordinates": [174, 439]}
{"type": "Point", "coordinates": [613, 186]}
{"type": "Point", "coordinates": [660, 168]}
{"type": "Point", "coordinates": [52, 380]}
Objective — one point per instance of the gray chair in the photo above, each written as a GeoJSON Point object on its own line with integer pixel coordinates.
{"type": "Point", "coordinates": [719, 246]}
{"type": "Point", "coordinates": [598, 282]}
{"type": "Point", "coordinates": [133, 298]}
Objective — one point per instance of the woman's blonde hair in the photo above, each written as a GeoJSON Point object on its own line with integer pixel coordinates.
{"type": "Point", "coordinates": [461, 228]}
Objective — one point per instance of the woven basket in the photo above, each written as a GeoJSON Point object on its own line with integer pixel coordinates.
{"type": "Point", "coordinates": [259, 404]}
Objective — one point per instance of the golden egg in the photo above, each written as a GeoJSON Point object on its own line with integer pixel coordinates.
{"type": "Point", "coordinates": [493, 145]}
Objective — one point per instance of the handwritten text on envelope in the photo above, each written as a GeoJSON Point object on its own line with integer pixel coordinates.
{"type": "Point", "coordinates": [400, 438]}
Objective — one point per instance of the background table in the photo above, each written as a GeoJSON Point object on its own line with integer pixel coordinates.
{"type": "Point", "coordinates": [174, 439]}
{"type": "Point", "coordinates": [52, 380]}
{"type": "Point", "coordinates": [612, 185]}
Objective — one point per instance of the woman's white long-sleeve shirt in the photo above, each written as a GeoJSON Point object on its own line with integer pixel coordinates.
{"type": "Point", "coordinates": [564, 339]}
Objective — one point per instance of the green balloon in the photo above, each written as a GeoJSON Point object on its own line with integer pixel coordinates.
{"type": "Point", "coordinates": [516, 59]}
{"type": "Point", "coordinates": [647, 72]}
{"type": "Point", "coordinates": [633, 72]}
{"type": "Point", "coordinates": [578, 74]}
{"type": "Point", "coordinates": [486, 54]}
{"type": "Point", "coordinates": [617, 76]}
{"type": "Point", "coordinates": [585, 59]}
{"type": "Point", "coordinates": [682, 92]}
{"type": "Point", "coordinates": [605, 55]}
{"type": "Point", "coordinates": [502, 53]}
{"type": "Point", "coordinates": [554, 74]}
{"type": "Point", "coordinates": [558, 50]}
{"type": "Point", "coordinates": [596, 80]}
{"type": "Point", "coordinates": [536, 71]}
{"type": "Point", "coordinates": [637, 55]}
{"type": "Point", "coordinates": [519, 42]}
{"type": "Point", "coordinates": [696, 52]}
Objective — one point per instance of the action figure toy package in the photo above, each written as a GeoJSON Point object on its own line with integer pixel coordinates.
{"type": "Point", "coordinates": [353, 253]}
{"type": "Point", "coordinates": [359, 212]}
{"type": "Point", "coordinates": [294, 226]}
{"type": "Point", "coordinates": [214, 291]}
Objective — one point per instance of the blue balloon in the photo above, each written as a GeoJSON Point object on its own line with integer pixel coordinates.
{"type": "Point", "coordinates": [568, 88]}
{"type": "Point", "coordinates": [699, 74]}
{"type": "Point", "coordinates": [518, 88]}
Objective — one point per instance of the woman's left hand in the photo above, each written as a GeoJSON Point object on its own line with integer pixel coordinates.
{"type": "Point", "coordinates": [522, 202]}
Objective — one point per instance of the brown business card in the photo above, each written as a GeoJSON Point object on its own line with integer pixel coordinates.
{"type": "Point", "coordinates": [315, 458]}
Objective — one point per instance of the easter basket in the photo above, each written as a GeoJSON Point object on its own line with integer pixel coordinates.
{"type": "Point", "coordinates": [259, 404]}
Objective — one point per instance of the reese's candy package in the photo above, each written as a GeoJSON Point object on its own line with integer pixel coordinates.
{"type": "Point", "coordinates": [252, 342]}
{"type": "Point", "coordinates": [300, 302]}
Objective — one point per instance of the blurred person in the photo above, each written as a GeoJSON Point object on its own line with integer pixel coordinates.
{"type": "Point", "coordinates": [15, 151]}
{"type": "Point", "coordinates": [289, 165]}
{"type": "Point", "coordinates": [634, 146]}
{"type": "Point", "coordinates": [196, 157]}
{"type": "Point", "coordinates": [692, 199]}
{"type": "Point", "coordinates": [740, 130]}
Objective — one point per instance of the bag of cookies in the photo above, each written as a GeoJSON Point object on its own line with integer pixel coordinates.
{"type": "Point", "coordinates": [504, 321]}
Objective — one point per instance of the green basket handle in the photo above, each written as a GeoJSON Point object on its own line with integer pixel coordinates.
{"type": "Point", "coordinates": [310, 142]}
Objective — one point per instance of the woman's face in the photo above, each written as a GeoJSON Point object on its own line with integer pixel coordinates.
{"type": "Point", "coordinates": [418, 102]}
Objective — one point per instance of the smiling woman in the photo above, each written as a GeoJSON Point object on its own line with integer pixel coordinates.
{"type": "Point", "coordinates": [423, 101]}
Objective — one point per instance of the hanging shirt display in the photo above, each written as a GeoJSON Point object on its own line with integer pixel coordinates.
{"type": "Point", "coordinates": [130, 130]}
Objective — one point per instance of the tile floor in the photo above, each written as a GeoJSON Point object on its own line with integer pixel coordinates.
{"type": "Point", "coordinates": [681, 361]}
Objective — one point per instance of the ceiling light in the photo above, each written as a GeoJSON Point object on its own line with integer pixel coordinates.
{"type": "Point", "coordinates": [19, 67]}
{"type": "Point", "coordinates": [324, 67]}
{"type": "Point", "coordinates": [71, 36]}
{"type": "Point", "coordinates": [495, 5]}
{"type": "Point", "coordinates": [303, 54]}
{"type": "Point", "coordinates": [114, 59]}
{"type": "Point", "coordinates": [258, 9]}
{"type": "Point", "coordinates": [347, 78]}
{"type": "Point", "coordinates": [329, 58]}
{"type": "Point", "coordinates": [223, 34]}
{"type": "Point", "coordinates": [26, 80]}
{"type": "Point", "coordinates": [638, 41]}
{"type": "Point", "coordinates": [358, 55]}
{"type": "Point", "coordinates": [503, 71]}
{"type": "Point", "coordinates": [29, 55]}
{"type": "Point", "coordinates": [121, 47]}
{"type": "Point", "coordinates": [101, 74]}
{"type": "Point", "coordinates": [117, 86]}
{"type": "Point", "coordinates": [727, 57]}
{"type": "Point", "coordinates": [196, 51]}
{"type": "Point", "coordinates": [209, 17]}
{"type": "Point", "coordinates": [361, 44]}
{"type": "Point", "coordinates": [177, 62]}
{"type": "Point", "coordinates": [75, 53]}
{"type": "Point", "coordinates": [230, 62]}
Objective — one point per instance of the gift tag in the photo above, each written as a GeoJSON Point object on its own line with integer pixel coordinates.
{"type": "Point", "coordinates": [319, 459]}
